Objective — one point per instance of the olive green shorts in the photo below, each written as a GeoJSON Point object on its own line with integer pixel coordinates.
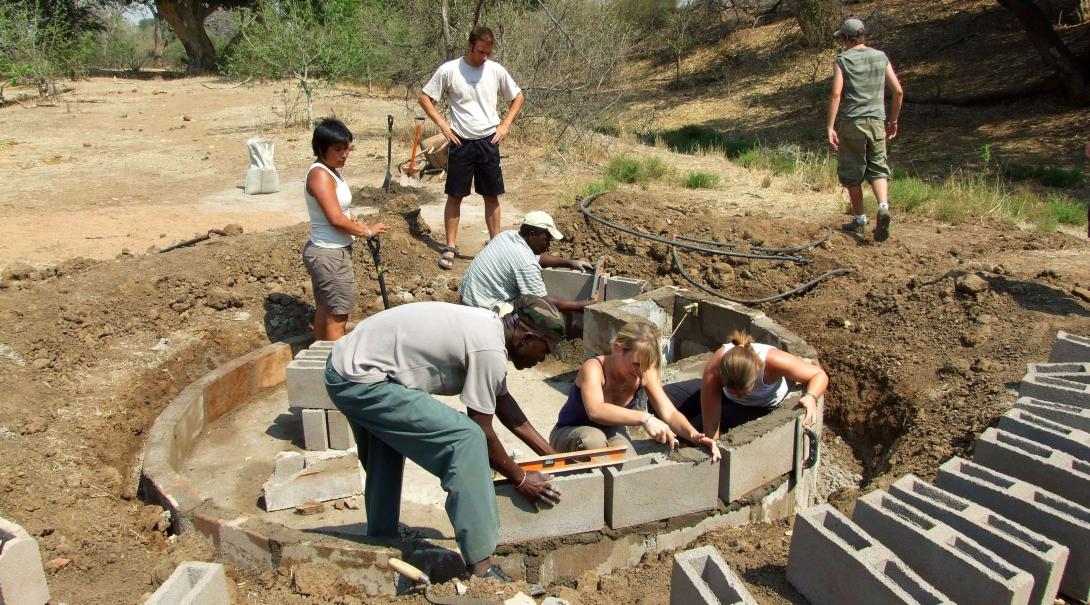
{"type": "Point", "coordinates": [862, 152]}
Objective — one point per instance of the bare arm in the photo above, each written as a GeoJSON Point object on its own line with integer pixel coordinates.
{"type": "Point", "coordinates": [796, 369]}
{"type": "Point", "coordinates": [711, 395]}
{"type": "Point", "coordinates": [834, 106]}
{"type": "Point", "coordinates": [533, 485]}
{"type": "Point", "coordinates": [512, 112]}
{"type": "Point", "coordinates": [898, 95]}
{"type": "Point", "coordinates": [600, 411]}
{"type": "Point", "coordinates": [673, 418]}
{"type": "Point", "coordinates": [511, 416]}
{"type": "Point", "coordinates": [321, 185]}
{"type": "Point", "coordinates": [429, 108]}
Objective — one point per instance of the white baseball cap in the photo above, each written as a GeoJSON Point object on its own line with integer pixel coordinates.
{"type": "Point", "coordinates": [542, 220]}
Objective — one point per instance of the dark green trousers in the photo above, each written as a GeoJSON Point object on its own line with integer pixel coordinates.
{"type": "Point", "coordinates": [391, 423]}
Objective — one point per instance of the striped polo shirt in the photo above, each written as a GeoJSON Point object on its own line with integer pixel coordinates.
{"type": "Point", "coordinates": [503, 271]}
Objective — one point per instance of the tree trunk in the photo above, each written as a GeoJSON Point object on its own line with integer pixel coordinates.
{"type": "Point", "coordinates": [157, 53]}
{"type": "Point", "coordinates": [444, 12]}
{"type": "Point", "coordinates": [1074, 74]}
{"type": "Point", "coordinates": [186, 18]}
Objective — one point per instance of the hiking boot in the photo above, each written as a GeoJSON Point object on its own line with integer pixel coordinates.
{"type": "Point", "coordinates": [881, 229]}
{"type": "Point", "coordinates": [854, 227]}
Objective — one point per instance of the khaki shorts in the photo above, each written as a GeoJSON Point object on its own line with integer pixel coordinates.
{"type": "Point", "coordinates": [577, 438]}
{"type": "Point", "coordinates": [332, 277]}
{"type": "Point", "coordinates": [862, 152]}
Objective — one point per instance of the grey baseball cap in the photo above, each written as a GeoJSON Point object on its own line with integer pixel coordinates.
{"type": "Point", "coordinates": [851, 28]}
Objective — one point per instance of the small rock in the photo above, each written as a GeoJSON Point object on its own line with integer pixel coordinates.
{"type": "Point", "coordinates": [310, 507]}
{"type": "Point", "coordinates": [970, 285]}
{"type": "Point", "coordinates": [187, 119]}
{"type": "Point", "coordinates": [55, 564]}
{"type": "Point", "coordinates": [461, 588]}
{"type": "Point", "coordinates": [554, 601]}
{"type": "Point", "coordinates": [352, 503]}
{"type": "Point", "coordinates": [405, 296]}
{"type": "Point", "coordinates": [233, 229]}
{"type": "Point", "coordinates": [520, 598]}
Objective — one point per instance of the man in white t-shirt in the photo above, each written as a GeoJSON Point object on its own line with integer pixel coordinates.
{"type": "Point", "coordinates": [471, 86]}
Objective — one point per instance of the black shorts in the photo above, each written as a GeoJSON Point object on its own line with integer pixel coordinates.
{"type": "Point", "coordinates": [477, 161]}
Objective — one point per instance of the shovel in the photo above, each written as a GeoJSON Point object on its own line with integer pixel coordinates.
{"type": "Point", "coordinates": [409, 178]}
{"type": "Point", "coordinates": [420, 577]}
{"type": "Point", "coordinates": [374, 245]}
{"type": "Point", "coordinates": [389, 153]}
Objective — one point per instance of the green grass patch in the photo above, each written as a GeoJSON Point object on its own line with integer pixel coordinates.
{"type": "Point", "coordinates": [599, 186]}
{"type": "Point", "coordinates": [695, 138]}
{"type": "Point", "coordinates": [628, 169]}
{"type": "Point", "coordinates": [1050, 176]}
{"type": "Point", "coordinates": [608, 129]}
{"type": "Point", "coordinates": [700, 180]}
{"type": "Point", "coordinates": [1065, 210]}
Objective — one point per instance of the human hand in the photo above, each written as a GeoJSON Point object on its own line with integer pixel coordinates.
{"type": "Point", "coordinates": [378, 229]}
{"type": "Point", "coordinates": [891, 130]}
{"type": "Point", "coordinates": [453, 138]}
{"type": "Point", "coordinates": [659, 431]}
{"type": "Point", "coordinates": [834, 140]}
{"type": "Point", "coordinates": [536, 488]}
{"type": "Point", "coordinates": [702, 439]}
{"type": "Point", "coordinates": [810, 403]}
{"type": "Point", "coordinates": [581, 265]}
{"type": "Point", "coordinates": [501, 133]}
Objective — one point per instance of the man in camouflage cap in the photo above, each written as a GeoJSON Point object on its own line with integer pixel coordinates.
{"type": "Point", "coordinates": [382, 376]}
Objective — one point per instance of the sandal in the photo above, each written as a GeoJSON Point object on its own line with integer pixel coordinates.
{"type": "Point", "coordinates": [446, 260]}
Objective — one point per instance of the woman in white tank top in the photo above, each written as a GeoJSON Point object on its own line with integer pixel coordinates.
{"type": "Point", "coordinates": [745, 380]}
{"type": "Point", "coordinates": [328, 254]}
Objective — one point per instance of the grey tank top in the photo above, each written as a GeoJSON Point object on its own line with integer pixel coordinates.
{"type": "Point", "coordinates": [864, 91]}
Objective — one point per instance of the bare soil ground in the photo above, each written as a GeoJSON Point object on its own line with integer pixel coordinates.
{"type": "Point", "coordinates": [924, 341]}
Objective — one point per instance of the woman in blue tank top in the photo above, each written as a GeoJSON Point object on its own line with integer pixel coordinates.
{"type": "Point", "coordinates": [745, 380]}
{"type": "Point", "coordinates": [602, 400]}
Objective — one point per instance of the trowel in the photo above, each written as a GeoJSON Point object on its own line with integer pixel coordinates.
{"type": "Point", "coordinates": [419, 577]}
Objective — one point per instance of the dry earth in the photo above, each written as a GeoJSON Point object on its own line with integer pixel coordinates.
{"type": "Point", "coordinates": [924, 341]}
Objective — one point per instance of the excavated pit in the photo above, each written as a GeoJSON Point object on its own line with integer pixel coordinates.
{"type": "Point", "coordinates": [213, 447]}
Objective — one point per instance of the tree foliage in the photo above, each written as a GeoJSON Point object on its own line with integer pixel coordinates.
{"type": "Point", "coordinates": [44, 43]}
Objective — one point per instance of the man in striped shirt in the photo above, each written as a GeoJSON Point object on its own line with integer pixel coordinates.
{"type": "Point", "coordinates": [510, 266]}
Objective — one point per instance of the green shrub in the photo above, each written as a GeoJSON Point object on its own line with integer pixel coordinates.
{"type": "Point", "coordinates": [625, 169]}
{"type": "Point", "coordinates": [600, 186]}
{"type": "Point", "coordinates": [608, 129]}
{"type": "Point", "coordinates": [654, 167]}
{"type": "Point", "coordinates": [1065, 210]}
{"type": "Point", "coordinates": [695, 138]}
{"type": "Point", "coordinates": [700, 180]}
{"type": "Point", "coordinates": [911, 193]}
{"type": "Point", "coordinates": [1050, 176]}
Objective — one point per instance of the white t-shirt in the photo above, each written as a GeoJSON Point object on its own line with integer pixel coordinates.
{"type": "Point", "coordinates": [763, 395]}
{"type": "Point", "coordinates": [472, 93]}
{"type": "Point", "coordinates": [434, 347]}
{"type": "Point", "coordinates": [322, 234]}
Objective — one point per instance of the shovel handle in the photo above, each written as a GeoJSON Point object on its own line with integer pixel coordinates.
{"type": "Point", "coordinates": [416, 144]}
{"type": "Point", "coordinates": [409, 571]}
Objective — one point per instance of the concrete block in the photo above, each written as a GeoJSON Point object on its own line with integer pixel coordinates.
{"type": "Point", "coordinates": [1069, 348]}
{"type": "Point", "coordinates": [1073, 416]}
{"type": "Point", "coordinates": [305, 379]}
{"type": "Point", "coordinates": [958, 566]}
{"type": "Point", "coordinates": [834, 562]}
{"type": "Point", "coordinates": [1039, 510]}
{"type": "Point", "coordinates": [312, 354]}
{"type": "Point", "coordinates": [702, 576]}
{"type": "Point", "coordinates": [566, 283]}
{"type": "Point", "coordinates": [1058, 368]}
{"type": "Point", "coordinates": [582, 509]}
{"type": "Point", "coordinates": [658, 486]}
{"type": "Point", "coordinates": [1051, 434]}
{"type": "Point", "coordinates": [193, 583]}
{"type": "Point", "coordinates": [620, 288]}
{"type": "Point", "coordinates": [315, 431]}
{"type": "Point", "coordinates": [322, 344]}
{"type": "Point", "coordinates": [1051, 388]}
{"type": "Point", "coordinates": [22, 579]}
{"type": "Point", "coordinates": [757, 452]}
{"type": "Point", "coordinates": [1046, 467]}
{"type": "Point", "coordinates": [602, 321]}
{"type": "Point", "coordinates": [1021, 547]}
{"type": "Point", "coordinates": [340, 433]}
{"type": "Point", "coordinates": [324, 476]}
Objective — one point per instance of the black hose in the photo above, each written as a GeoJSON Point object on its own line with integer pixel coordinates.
{"type": "Point", "coordinates": [757, 301]}
{"type": "Point", "coordinates": [669, 242]}
{"type": "Point", "coordinates": [803, 247]}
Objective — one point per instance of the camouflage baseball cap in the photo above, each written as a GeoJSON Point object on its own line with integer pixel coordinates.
{"type": "Point", "coordinates": [540, 317]}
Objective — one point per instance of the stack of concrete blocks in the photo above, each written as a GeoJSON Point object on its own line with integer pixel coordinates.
{"type": "Point", "coordinates": [193, 583]}
{"type": "Point", "coordinates": [22, 579]}
{"type": "Point", "coordinates": [701, 577]}
{"type": "Point", "coordinates": [834, 562]}
{"type": "Point", "coordinates": [660, 486]}
{"type": "Point", "coordinates": [1016, 517]}
{"type": "Point", "coordinates": [324, 428]}
{"type": "Point", "coordinates": [312, 476]}
{"type": "Point", "coordinates": [577, 285]}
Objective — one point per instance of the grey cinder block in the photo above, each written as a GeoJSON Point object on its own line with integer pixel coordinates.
{"type": "Point", "coordinates": [1028, 425]}
{"type": "Point", "coordinates": [193, 583]}
{"type": "Point", "coordinates": [299, 477]}
{"type": "Point", "coordinates": [834, 562]}
{"type": "Point", "coordinates": [581, 509]}
{"type": "Point", "coordinates": [567, 284]}
{"type": "Point", "coordinates": [1059, 368]}
{"type": "Point", "coordinates": [340, 433]}
{"type": "Point", "coordinates": [22, 578]}
{"type": "Point", "coordinates": [958, 566]}
{"type": "Point", "coordinates": [305, 379]}
{"type": "Point", "coordinates": [619, 288]}
{"type": "Point", "coordinates": [1040, 556]}
{"type": "Point", "coordinates": [1069, 348]}
{"type": "Point", "coordinates": [1041, 465]}
{"type": "Point", "coordinates": [657, 486]}
{"type": "Point", "coordinates": [1052, 388]}
{"type": "Point", "coordinates": [1067, 415]}
{"type": "Point", "coordinates": [314, 354]}
{"type": "Point", "coordinates": [315, 431]}
{"type": "Point", "coordinates": [752, 463]}
{"type": "Point", "coordinates": [701, 576]}
{"type": "Point", "coordinates": [1044, 512]}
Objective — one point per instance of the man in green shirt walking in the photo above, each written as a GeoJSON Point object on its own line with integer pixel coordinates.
{"type": "Point", "coordinates": [860, 131]}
